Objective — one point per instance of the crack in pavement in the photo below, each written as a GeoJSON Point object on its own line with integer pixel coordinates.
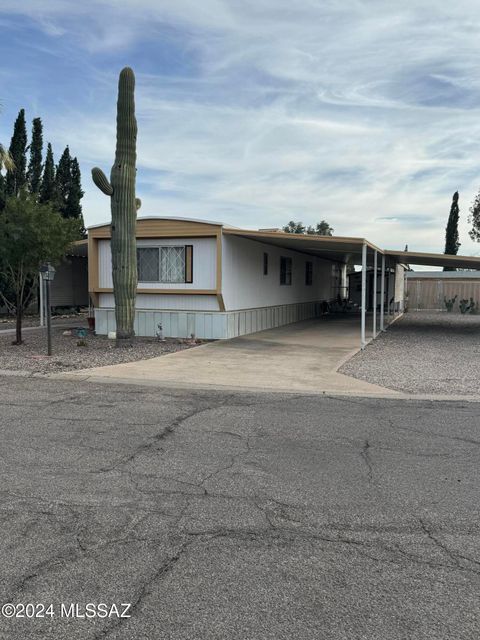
{"type": "Point", "coordinates": [143, 591]}
{"type": "Point", "coordinates": [453, 555]}
{"type": "Point", "coordinates": [155, 439]}
{"type": "Point", "coordinates": [365, 454]}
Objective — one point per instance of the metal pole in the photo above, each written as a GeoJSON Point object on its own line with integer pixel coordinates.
{"type": "Point", "coordinates": [394, 286]}
{"type": "Point", "coordinates": [42, 302]}
{"type": "Point", "coordinates": [382, 296]}
{"type": "Point", "coordinates": [375, 269]}
{"type": "Point", "coordinates": [388, 291]}
{"type": "Point", "coordinates": [363, 342]}
{"type": "Point", "coordinates": [49, 318]}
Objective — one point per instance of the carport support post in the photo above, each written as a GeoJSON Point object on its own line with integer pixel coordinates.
{"type": "Point", "coordinates": [375, 269]}
{"type": "Point", "coordinates": [388, 290]}
{"type": "Point", "coordinates": [364, 295]}
{"type": "Point", "coordinates": [41, 286]}
{"type": "Point", "coordinates": [382, 296]}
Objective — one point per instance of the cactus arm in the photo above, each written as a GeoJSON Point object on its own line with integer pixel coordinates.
{"type": "Point", "coordinates": [101, 180]}
{"type": "Point", "coordinates": [138, 203]}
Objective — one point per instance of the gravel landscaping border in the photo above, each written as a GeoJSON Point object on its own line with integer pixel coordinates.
{"type": "Point", "coordinates": [71, 352]}
{"type": "Point", "coordinates": [423, 352]}
{"type": "Point", "coordinates": [7, 322]}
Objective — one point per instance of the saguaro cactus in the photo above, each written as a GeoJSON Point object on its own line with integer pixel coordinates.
{"type": "Point", "coordinates": [124, 205]}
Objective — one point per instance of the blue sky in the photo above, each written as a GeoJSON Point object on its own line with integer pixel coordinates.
{"type": "Point", "coordinates": [255, 112]}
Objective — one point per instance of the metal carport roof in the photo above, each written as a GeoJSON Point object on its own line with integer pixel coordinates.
{"type": "Point", "coordinates": [344, 249]}
{"type": "Point", "coordinates": [339, 249]}
{"type": "Point", "coordinates": [435, 259]}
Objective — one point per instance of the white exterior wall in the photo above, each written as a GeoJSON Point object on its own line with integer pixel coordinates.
{"type": "Point", "coordinates": [204, 263]}
{"type": "Point", "coordinates": [253, 302]}
{"type": "Point", "coordinates": [245, 287]}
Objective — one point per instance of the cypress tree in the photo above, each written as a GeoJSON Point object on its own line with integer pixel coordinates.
{"type": "Point", "coordinates": [451, 232]}
{"type": "Point", "coordinates": [16, 178]}
{"type": "Point", "coordinates": [47, 188]}
{"type": "Point", "coordinates": [474, 219]}
{"type": "Point", "coordinates": [63, 179]}
{"type": "Point", "coordinates": [3, 194]}
{"type": "Point", "coordinates": [74, 208]}
{"type": "Point", "coordinates": [34, 173]}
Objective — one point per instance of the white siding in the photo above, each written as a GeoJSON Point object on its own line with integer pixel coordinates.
{"type": "Point", "coordinates": [188, 302]}
{"type": "Point", "coordinates": [209, 325]}
{"type": "Point", "coordinates": [204, 263]}
{"type": "Point", "coordinates": [245, 287]}
{"type": "Point", "coordinates": [175, 324]}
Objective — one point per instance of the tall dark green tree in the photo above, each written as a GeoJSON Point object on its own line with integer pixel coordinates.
{"type": "Point", "coordinates": [451, 232]}
{"type": "Point", "coordinates": [74, 208]}
{"type": "Point", "coordinates": [47, 188]}
{"type": "Point", "coordinates": [3, 194]}
{"type": "Point", "coordinates": [68, 187]}
{"type": "Point", "coordinates": [63, 181]}
{"type": "Point", "coordinates": [17, 177]}
{"type": "Point", "coordinates": [34, 172]}
{"type": "Point", "coordinates": [320, 229]}
{"type": "Point", "coordinates": [294, 227]}
{"type": "Point", "coordinates": [474, 219]}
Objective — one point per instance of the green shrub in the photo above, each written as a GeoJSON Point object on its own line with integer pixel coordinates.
{"type": "Point", "coordinates": [449, 303]}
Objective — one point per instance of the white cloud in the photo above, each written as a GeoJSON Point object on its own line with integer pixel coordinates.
{"type": "Point", "coordinates": [362, 113]}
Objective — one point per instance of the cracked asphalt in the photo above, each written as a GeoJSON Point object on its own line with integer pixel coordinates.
{"type": "Point", "coordinates": [232, 515]}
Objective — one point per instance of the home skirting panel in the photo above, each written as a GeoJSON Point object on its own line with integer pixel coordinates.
{"type": "Point", "coordinates": [214, 325]}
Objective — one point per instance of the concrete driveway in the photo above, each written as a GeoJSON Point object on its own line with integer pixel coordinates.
{"type": "Point", "coordinates": [233, 516]}
{"type": "Point", "coordinates": [298, 357]}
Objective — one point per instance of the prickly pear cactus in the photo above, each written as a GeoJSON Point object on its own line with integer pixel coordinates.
{"type": "Point", "coordinates": [449, 303]}
{"type": "Point", "coordinates": [124, 205]}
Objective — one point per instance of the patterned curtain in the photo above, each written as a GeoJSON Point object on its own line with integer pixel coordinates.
{"type": "Point", "coordinates": [172, 264]}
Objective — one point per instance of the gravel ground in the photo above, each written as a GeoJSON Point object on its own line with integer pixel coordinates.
{"type": "Point", "coordinates": [423, 352]}
{"type": "Point", "coordinates": [7, 322]}
{"type": "Point", "coordinates": [99, 351]}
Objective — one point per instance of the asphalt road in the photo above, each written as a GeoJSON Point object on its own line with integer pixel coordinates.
{"type": "Point", "coordinates": [235, 516]}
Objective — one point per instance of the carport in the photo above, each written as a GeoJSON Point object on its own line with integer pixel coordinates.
{"type": "Point", "coordinates": [387, 265]}
{"type": "Point", "coordinates": [347, 251]}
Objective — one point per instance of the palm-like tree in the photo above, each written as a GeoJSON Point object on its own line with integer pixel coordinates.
{"type": "Point", "coordinates": [6, 160]}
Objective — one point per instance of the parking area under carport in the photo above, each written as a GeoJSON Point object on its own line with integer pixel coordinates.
{"type": "Point", "coordinates": [300, 357]}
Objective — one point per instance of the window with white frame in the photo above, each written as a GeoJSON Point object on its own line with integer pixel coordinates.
{"type": "Point", "coordinates": [164, 264]}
